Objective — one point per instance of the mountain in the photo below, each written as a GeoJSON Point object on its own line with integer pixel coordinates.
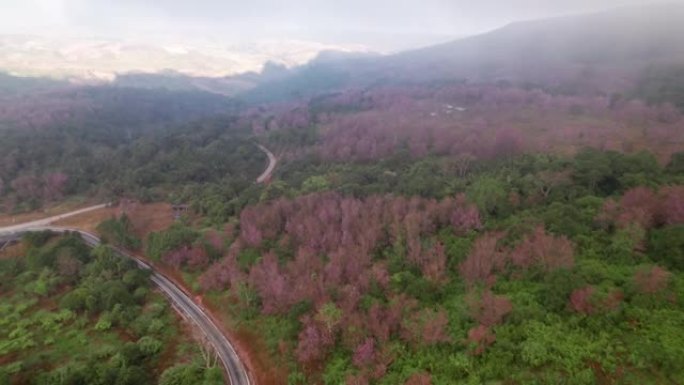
{"type": "Point", "coordinates": [545, 50]}
{"type": "Point", "coordinates": [603, 52]}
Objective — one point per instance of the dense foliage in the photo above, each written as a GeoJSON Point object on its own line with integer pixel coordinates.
{"type": "Point", "coordinates": [45, 165]}
{"type": "Point", "coordinates": [119, 232]}
{"type": "Point", "coordinates": [69, 315]}
{"type": "Point", "coordinates": [662, 85]}
{"type": "Point", "coordinates": [528, 268]}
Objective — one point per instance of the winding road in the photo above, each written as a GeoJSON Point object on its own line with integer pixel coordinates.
{"type": "Point", "coordinates": [272, 161]}
{"type": "Point", "coordinates": [234, 368]}
{"type": "Point", "coordinates": [182, 301]}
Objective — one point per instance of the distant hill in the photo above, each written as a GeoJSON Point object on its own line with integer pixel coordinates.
{"type": "Point", "coordinates": [602, 52]}
{"type": "Point", "coordinates": [10, 85]}
{"type": "Point", "coordinates": [102, 113]}
{"type": "Point", "coordinates": [556, 49]}
{"type": "Point", "coordinates": [101, 60]}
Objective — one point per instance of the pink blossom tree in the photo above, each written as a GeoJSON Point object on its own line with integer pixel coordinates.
{"type": "Point", "coordinates": [543, 250]}
{"type": "Point", "coordinates": [488, 309]}
{"type": "Point", "coordinates": [432, 263]}
{"type": "Point", "coordinates": [419, 379]}
{"type": "Point", "coordinates": [271, 284]}
{"type": "Point", "coordinates": [313, 342]}
{"type": "Point", "coordinates": [652, 280]}
{"type": "Point", "coordinates": [27, 186]}
{"type": "Point", "coordinates": [484, 259]}
{"type": "Point", "coordinates": [481, 337]}
{"type": "Point", "coordinates": [426, 327]}
{"type": "Point", "coordinates": [54, 185]}
{"type": "Point", "coordinates": [465, 216]}
{"type": "Point", "coordinates": [364, 353]}
{"type": "Point", "coordinates": [581, 300]}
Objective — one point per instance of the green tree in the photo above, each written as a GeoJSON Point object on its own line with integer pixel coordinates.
{"type": "Point", "coordinates": [488, 193]}
{"type": "Point", "coordinates": [315, 183]}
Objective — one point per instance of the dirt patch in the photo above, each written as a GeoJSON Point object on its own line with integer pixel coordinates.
{"type": "Point", "coordinates": [87, 221]}
{"type": "Point", "coordinates": [56, 209]}
{"type": "Point", "coordinates": [13, 251]}
{"type": "Point", "coordinates": [145, 218]}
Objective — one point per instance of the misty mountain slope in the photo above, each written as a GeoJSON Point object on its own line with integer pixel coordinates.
{"type": "Point", "coordinates": [600, 52]}
{"type": "Point", "coordinates": [622, 38]}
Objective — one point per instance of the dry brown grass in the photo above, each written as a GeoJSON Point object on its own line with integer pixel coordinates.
{"type": "Point", "coordinates": [13, 251]}
{"type": "Point", "coordinates": [145, 218]}
{"type": "Point", "coordinates": [87, 221]}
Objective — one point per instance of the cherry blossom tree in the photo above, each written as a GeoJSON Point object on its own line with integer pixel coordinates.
{"type": "Point", "coordinates": [488, 309]}
{"type": "Point", "coordinates": [652, 280]}
{"type": "Point", "coordinates": [364, 353]}
{"type": "Point", "coordinates": [419, 379]}
{"type": "Point", "coordinates": [581, 300]}
{"type": "Point", "coordinates": [426, 327]}
{"type": "Point", "coordinates": [314, 341]}
{"type": "Point", "coordinates": [543, 250]}
{"type": "Point", "coordinates": [177, 257]}
{"type": "Point", "coordinates": [54, 185]}
{"type": "Point", "coordinates": [433, 263]}
{"type": "Point", "coordinates": [465, 216]}
{"type": "Point", "coordinates": [27, 186]}
{"type": "Point", "coordinates": [271, 284]}
{"type": "Point", "coordinates": [638, 206]}
{"type": "Point", "coordinates": [484, 259]}
{"type": "Point", "coordinates": [482, 337]}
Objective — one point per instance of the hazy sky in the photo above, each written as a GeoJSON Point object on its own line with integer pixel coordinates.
{"type": "Point", "coordinates": [379, 24]}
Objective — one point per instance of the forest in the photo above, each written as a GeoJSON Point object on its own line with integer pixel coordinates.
{"type": "Point", "coordinates": [45, 165]}
{"type": "Point", "coordinates": [411, 234]}
{"type": "Point", "coordinates": [528, 269]}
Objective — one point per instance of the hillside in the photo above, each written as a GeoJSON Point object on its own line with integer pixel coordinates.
{"type": "Point", "coordinates": [602, 52]}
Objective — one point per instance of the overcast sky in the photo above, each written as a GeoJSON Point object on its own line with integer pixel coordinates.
{"type": "Point", "coordinates": [379, 24]}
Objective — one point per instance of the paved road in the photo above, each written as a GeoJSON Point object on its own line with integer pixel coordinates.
{"type": "Point", "coordinates": [272, 161]}
{"type": "Point", "coordinates": [234, 368]}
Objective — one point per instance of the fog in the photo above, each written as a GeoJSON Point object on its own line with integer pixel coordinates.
{"type": "Point", "coordinates": [377, 24]}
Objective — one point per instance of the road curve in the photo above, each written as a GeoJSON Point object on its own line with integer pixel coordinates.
{"type": "Point", "coordinates": [272, 161]}
{"type": "Point", "coordinates": [235, 370]}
